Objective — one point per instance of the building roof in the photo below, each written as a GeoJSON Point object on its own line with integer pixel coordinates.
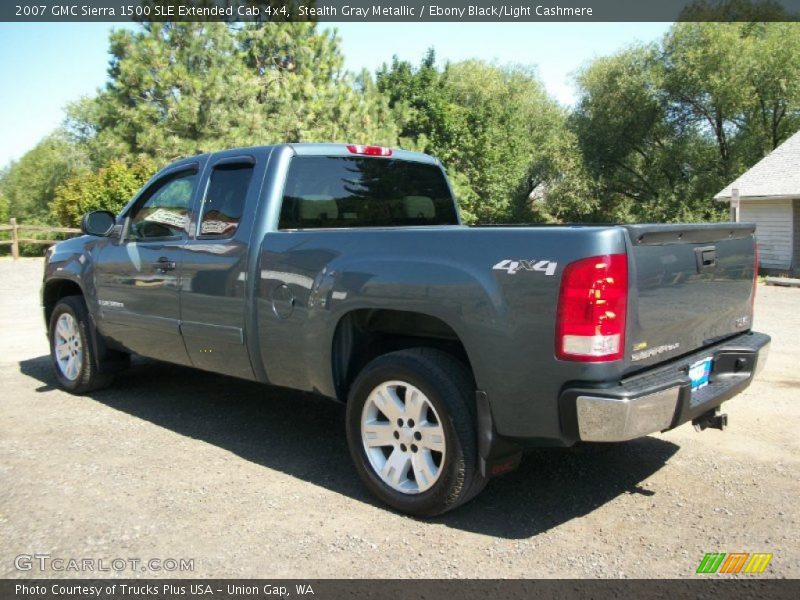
{"type": "Point", "coordinates": [777, 175]}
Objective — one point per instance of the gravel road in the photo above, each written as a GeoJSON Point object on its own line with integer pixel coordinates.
{"type": "Point", "coordinates": [249, 481]}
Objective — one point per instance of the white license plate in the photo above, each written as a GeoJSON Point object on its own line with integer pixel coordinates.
{"type": "Point", "coordinates": [700, 372]}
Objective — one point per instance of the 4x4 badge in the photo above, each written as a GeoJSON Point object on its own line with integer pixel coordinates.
{"type": "Point", "coordinates": [512, 266]}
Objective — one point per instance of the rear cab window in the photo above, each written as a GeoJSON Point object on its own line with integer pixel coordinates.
{"type": "Point", "coordinates": [337, 192]}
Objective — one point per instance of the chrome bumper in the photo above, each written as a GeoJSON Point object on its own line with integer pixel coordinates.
{"type": "Point", "coordinates": [621, 419]}
{"type": "Point", "coordinates": [661, 398]}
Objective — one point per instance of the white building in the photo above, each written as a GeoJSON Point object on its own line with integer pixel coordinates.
{"type": "Point", "coordinates": [769, 196]}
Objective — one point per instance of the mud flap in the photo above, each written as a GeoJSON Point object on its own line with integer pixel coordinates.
{"type": "Point", "coordinates": [496, 455]}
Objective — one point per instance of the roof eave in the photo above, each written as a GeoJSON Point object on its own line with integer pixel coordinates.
{"type": "Point", "coordinates": [720, 198]}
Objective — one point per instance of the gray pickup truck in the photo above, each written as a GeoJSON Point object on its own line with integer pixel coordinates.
{"type": "Point", "coordinates": [345, 270]}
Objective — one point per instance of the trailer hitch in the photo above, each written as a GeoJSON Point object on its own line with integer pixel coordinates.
{"type": "Point", "coordinates": [711, 420]}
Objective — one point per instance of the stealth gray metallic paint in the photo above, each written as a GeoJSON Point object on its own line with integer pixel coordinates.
{"type": "Point", "coordinates": [265, 304]}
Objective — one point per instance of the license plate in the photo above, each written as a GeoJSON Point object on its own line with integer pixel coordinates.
{"type": "Point", "coordinates": [700, 372]}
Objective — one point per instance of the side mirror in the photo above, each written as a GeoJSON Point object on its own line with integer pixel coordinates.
{"type": "Point", "coordinates": [98, 222]}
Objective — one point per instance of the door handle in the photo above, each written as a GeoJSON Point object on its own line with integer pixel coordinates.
{"type": "Point", "coordinates": [163, 265]}
{"type": "Point", "coordinates": [705, 258]}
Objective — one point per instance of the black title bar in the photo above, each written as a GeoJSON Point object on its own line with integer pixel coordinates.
{"type": "Point", "coordinates": [395, 589]}
{"type": "Point", "coordinates": [371, 11]}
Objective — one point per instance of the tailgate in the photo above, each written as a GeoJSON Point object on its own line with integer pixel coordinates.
{"type": "Point", "coordinates": [691, 285]}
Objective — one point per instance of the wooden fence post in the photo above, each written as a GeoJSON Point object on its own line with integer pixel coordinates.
{"type": "Point", "coordinates": [14, 239]}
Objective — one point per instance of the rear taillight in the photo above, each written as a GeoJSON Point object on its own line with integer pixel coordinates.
{"type": "Point", "coordinates": [590, 325]}
{"type": "Point", "coordinates": [369, 150]}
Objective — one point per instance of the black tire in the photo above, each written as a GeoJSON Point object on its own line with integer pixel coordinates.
{"type": "Point", "coordinates": [449, 387]}
{"type": "Point", "coordinates": [89, 377]}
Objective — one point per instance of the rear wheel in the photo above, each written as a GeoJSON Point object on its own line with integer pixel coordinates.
{"type": "Point", "coordinates": [71, 349]}
{"type": "Point", "coordinates": [411, 431]}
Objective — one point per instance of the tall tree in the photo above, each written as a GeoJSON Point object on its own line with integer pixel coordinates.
{"type": "Point", "coordinates": [181, 88]}
{"type": "Point", "coordinates": [738, 81]}
{"type": "Point", "coordinates": [772, 76]}
{"type": "Point", "coordinates": [705, 79]}
{"type": "Point", "coordinates": [663, 128]}
{"type": "Point", "coordinates": [174, 89]}
{"type": "Point", "coordinates": [492, 127]}
{"type": "Point", "coordinates": [305, 94]}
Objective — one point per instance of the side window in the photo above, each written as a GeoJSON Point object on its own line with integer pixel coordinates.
{"type": "Point", "coordinates": [224, 201]}
{"type": "Point", "coordinates": [164, 210]}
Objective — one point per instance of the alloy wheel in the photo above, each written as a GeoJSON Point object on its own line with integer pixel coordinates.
{"type": "Point", "coordinates": [68, 346]}
{"type": "Point", "coordinates": [403, 437]}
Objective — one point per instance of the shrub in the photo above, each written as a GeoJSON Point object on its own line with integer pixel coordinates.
{"type": "Point", "coordinates": [109, 188]}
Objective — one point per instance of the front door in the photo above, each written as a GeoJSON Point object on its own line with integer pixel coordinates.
{"type": "Point", "coordinates": [137, 278]}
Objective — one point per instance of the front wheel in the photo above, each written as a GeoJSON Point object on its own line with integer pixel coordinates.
{"type": "Point", "coordinates": [411, 431]}
{"type": "Point", "coordinates": [71, 350]}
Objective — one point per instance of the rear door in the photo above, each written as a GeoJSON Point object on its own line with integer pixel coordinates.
{"type": "Point", "coordinates": [214, 265]}
{"type": "Point", "coordinates": [691, 285]}
{"type": "Point", "coordinates": [137, 277]}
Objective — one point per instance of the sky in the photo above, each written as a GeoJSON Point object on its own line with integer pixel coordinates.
{"type": "Point", "coordinates": [45, 66]}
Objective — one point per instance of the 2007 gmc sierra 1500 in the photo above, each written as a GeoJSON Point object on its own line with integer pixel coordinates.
{"type": "Point", "coordinates": [345, 270]}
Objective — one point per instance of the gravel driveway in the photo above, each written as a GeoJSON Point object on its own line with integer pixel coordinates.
{"type": "Point", "coordinates": [249, 481]}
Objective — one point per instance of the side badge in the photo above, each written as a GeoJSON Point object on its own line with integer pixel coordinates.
{"type": "Point", "coordinates": [513, 266]}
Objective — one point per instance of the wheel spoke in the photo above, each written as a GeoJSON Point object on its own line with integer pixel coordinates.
{"type": "Point", "coordinates": [396, 468]}
{"type": "Point", "coordinates": [425, 470]}
{"type": "Point", "coordinates": [416, 405]}
{"type": "Point", "coordinates": [432, 437]}
{"type": "Point", "coordinates": [62, 330]}
{"type": "Point", "coordinates": [62, 350]}
{"type": "Point", "coordinates": [388, 403]}
{"type": "Point", "coordinates": [69, 371]}
{"type": "Point", "coordinates": [378, 434]}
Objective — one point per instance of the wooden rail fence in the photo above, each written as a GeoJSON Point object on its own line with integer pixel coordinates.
{"type": "Point", "coordinates": [15, 240]}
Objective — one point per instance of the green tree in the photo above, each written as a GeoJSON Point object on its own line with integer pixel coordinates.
{"type": "Point", "coordinates": [772, 78]}
{"type": "Point", "coordinates": [28, 185]}
{"type": "Point", "coordinates": [738, 81]}
{"type": "Point", "coordinates": [705, 80]}
{"type": "Point", "coordinates": [4, 209]}
{"type": "Point", "coordinates": [178, 89]}
{"type": "Point", "coordinates": [305, 94]}
{"type": "Point", "coordinates": [109, 188]}
{"type": "Point", "coordinates": [643, 167]}
{"type": "Point", "coordinates": [662, 128]}
{"type": "Point", "coordinates": [492, 127]}
{"type": "Point", "coordinates": [420, 102]}
{"type": "Point", "coordinates": [174, 89]}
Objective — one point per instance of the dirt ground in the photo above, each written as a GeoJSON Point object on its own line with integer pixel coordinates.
{"type": "Point", "coordinates": [248, 481]}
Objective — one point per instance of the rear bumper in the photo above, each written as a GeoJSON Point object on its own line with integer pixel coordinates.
{"type": "Point", "coordinates": [661, 398]}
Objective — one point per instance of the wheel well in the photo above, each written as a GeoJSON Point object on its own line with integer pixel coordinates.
{"type": "Point", "coordinates": [365, 334]}
{"type": "Point", "coordinates": [55, 290]}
